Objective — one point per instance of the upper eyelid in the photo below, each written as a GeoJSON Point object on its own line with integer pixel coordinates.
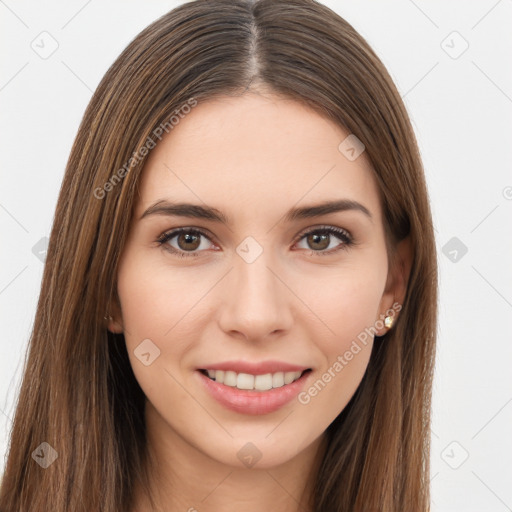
{"type": "Point", "coordinates": [325, 227]}
{"type": "Point", "coordinates": [171, 233]}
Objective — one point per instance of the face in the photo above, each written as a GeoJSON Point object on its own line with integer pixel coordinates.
{"type": "Point", "coordinates": [247, 309]}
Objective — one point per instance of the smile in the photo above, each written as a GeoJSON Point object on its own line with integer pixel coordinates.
{"type": "Point", "coordinates": [248, 382]}
{"type": "Point", "coordinates": [253, 393]}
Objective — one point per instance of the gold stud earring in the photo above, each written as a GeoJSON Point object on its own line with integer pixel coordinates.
{"type": "Point", "coordinates": [388, 321]}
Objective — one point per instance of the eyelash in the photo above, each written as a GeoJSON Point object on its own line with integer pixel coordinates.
{"type": "Point", "coordinates": [342, 234]}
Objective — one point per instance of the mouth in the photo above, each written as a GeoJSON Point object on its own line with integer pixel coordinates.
{"type": "Point", "coordinates": [251, 382]}
{"type": "Point", "coordinates": [251, 393]}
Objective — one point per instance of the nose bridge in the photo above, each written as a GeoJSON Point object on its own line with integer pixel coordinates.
{"type": "Point", "coordinates": [255, 303]}
{"type": "Point", "coordinates": [255, 282]}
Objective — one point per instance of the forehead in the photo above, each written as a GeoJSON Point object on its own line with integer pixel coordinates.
{"type": "Point", "coordinates": [256, 151]}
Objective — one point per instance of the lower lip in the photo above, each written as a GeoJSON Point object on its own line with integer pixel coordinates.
{"type": "Point", "coordinates": [253, 402]}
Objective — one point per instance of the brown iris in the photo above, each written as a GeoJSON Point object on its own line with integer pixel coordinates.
{"type": "Point", "coordinates": [321, 240]}
{"type": "Point", "coordinates": [187, 239]}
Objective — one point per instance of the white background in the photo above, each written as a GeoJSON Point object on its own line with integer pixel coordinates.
{"type": "Point", "coordinates": [461, 109]}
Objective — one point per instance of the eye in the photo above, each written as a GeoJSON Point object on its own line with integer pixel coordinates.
{"type": "Point", "coordinates": [321, 240]}
{"type": "Point", "coordinates": [187, 241]}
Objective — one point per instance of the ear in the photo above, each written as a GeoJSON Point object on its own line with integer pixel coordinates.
{"type": "Point", "coordinates": [396, 284]}
{"type": "Point", "coordinates": [114, 317]}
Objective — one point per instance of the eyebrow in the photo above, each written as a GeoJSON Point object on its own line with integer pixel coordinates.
{"type": "Point", "coordinates": [196, 211]}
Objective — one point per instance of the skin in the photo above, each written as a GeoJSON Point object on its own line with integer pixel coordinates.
{"type": "Point", "coordinates": [253, 157]}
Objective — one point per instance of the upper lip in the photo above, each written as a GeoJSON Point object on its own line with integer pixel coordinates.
{"type": "Point", "coordinates": [260, 368]}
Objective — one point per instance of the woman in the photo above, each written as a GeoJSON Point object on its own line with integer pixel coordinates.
{"type": "Point", "coordinates": [238, 308]}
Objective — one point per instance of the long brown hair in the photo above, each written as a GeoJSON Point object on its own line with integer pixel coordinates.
{"type": "Point", "coordinates": [79, 393]}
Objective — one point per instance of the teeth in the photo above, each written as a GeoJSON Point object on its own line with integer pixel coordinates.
{"type": "Point", "coordinates": [246, 381]}
{"type": "Point", "coordinates": [263, 382]}
{"type": "Point", "coordinates": [230, 379]}
{"type": "Point", "coordinates": [278, 380]}
{"type": "Point", "coordinates": [289, 377]}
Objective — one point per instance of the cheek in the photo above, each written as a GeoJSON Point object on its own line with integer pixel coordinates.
{"type": "Point", "coordinates": [157, 302]}
{"type": "Point", "coordinates": [348, 306]}
{"type": "Point", "coordinates": [346, 302]}
{"type": "Point", "coordinates": [155, 314]}
{"type": "Point", "coordinates": [161, 313]}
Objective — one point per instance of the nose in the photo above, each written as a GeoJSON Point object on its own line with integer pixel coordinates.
{"type": "Point", "coordinates": [256, 302]}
